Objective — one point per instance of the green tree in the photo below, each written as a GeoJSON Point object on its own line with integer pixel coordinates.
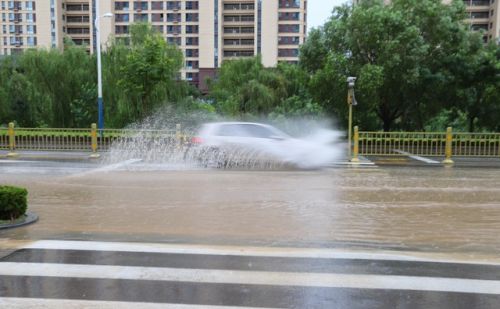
{"type": "Point", "coordinates": [50, 87]}
{"type": "Point", "coordinates": [401, 54]}
{"type": "Point", "coordinates": [148, 74]}
{"type": "Point", "coordinates": [477, 82]}
{"type": "Point", "coordinates": [245, 87]}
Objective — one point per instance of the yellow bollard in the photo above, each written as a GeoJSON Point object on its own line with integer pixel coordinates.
{"type": "Point", "coordinates": [355, 150]}
{"type": "Point", "coordinates": [93, 138]}
{"type": "Point", "coordinates": [12, 141]}
{"type": "Point", "coordinates": [448, 148]}
{"type": "Point", "coordinates": [178, 136]}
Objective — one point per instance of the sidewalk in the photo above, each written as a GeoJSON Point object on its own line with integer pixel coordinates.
{"type": "Point", "coordinates": [364, 161]}
{"type": "Point", "coordinates": [415, 161]}
{"type": "Point", "coordinates": [48, 155]}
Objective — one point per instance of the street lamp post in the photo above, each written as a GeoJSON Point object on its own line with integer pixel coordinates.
{"type": "Point", "coordinates": [100, 105]}
{"type": "Point", "coordinates": [351, 101]}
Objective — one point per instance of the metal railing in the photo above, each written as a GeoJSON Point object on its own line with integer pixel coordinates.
{"type": "Point", "coordinates": [476, 144]}
{"type": "Point", "coordinates": [396, 143]}
{"type": "Point", "coordinates": [427, 144]}
{"type": "Point", "coordinates": [91, 139]}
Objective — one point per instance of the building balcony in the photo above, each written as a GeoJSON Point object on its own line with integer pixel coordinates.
{"type": "Point", "coordinates": [477, 20]}
{"type": "Point", "coordinates": [476, 3]}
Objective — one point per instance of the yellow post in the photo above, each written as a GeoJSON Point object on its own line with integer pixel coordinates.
{"type": "Point", "coordinates": [93, 138]}
{"type": "Point", "coordinates": [448, 147]}
{"type": "Point", "coordinates": [349, 125]}
{"type": "Point", "coordinates": [12, 141]}
{"type": "Point", "coordinates": [355, 151]}
{"type": "Point", "coordinates": [178, 135]}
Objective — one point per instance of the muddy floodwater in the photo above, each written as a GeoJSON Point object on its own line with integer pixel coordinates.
{"type": "Point", "coordinates": [427, 209]}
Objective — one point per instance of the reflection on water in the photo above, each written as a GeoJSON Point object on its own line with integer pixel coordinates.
{"type": "Point", "coordinates": [425, 209]}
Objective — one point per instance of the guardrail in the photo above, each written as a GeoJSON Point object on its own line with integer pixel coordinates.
{"type": "Point", "coordinates": [91, 139]}
{"type": "Point", "coordinates": [427, 144]}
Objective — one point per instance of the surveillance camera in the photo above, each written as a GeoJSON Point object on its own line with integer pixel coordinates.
{"type": "Point", "coordinates": [350, 81]}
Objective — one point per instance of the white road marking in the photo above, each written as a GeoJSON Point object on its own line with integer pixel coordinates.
{"type": "Point", "coordinates": [418, 158]}
{"type": "Point", "coordinates": [287, 252]}
{"type": "Point", "coordinates": [41, 303]}
{"type": "Point", "coordinates": [355, 281]}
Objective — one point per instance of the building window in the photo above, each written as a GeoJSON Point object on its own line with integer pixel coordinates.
{"type": "Point", "coordinates": [157, 17]}
{"type": "Point", "coordinates": [157, 5]}
{"type": "Point", "coordinates": [173, 5]}
{"type": "Point", "coordinates": [121, 6]}
{"type": "Point", "coordinates": [289, 52]}
{"type": "Point", "coordinates": [121, 29]}
{"type": "Point", "coordinates": [122, 17]}
{"type": "Point", "coordinates": [192, 5]}
{"type": "Point", "coordinates": [192, 77]}
{"type": "Point", "coordinates": [31, 41]}
{"type": "Point", "coordinates": [289, 28]}
{"type": "Point", "coordinates": [191, 29]}
{"type": "Point", "coordinates": [475, 15]}
{"type": "Point", "coordinates": [192, 64]}
{"type": "Point", "coordinates": [289, 16]}
{"type": "Point", "coordinates": [238, 53]}
{"type": "Point", "coordinates": [284, 4]}
{"type": "Point", "coordinates": [30, 5]}
{"type": "Point", "coordinates": [192, 52]}
{"type": "Point", "coordinates": [191, 16]}
{"type": "Point", "coordinates": [174, 17]}
{"type": "Point", "coordinates": [141, 17]}
{"type": "Point", "coordinates": [31, 29]}
{"type": "Point", "coordinates": [30, 17]}
{"type": "Point", "coordinates": [192, 41]}
{"type": "Point", "coordinates": [288, 40]}
{"type": "Point", "coordinates": [173, 29]}
{"type": "Point", "coordinates": [477, 27]}
{"type": "Point", "coordinates": [140, 5]}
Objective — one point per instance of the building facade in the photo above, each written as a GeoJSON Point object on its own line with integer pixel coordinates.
{"type": "Point", "coordinates": [481, 15]}
{"type": "Point", "coordinates": [207, 31]}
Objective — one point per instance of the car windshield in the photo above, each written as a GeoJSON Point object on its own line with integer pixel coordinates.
{"type": "Point", "coordinates": [247, 130]}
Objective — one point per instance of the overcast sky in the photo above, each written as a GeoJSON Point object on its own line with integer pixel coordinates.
{"type": "Point", "coordinates": [319, 10]}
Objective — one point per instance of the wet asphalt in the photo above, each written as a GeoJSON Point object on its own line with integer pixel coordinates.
{"type": "Point", "coordinates": [450, 212]}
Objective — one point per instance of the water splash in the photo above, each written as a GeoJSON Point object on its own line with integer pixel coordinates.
{"type": "Point", "coordinates": [159, 144]}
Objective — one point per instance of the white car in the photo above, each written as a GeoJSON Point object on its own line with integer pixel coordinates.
{"type": "Point", "coordinates": [238, 143]}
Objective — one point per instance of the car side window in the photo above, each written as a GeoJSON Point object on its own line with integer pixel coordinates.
{"type": "Point", "coordinates": [244, 130]}
{"type": "Point", "coordinates": [231, 130]}
{"type": "Point", "coordinates": [258, 131]}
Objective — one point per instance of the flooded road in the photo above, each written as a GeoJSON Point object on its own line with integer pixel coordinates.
{"type": "Point", "coordinates": [418, 209]}
{"type": "Point", "coordinates": [131, 235]}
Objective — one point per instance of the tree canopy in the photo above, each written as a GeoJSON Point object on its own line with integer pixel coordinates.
{"type": "Point", "coordinates": [413, 58]}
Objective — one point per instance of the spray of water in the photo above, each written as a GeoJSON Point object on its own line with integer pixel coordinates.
{"type": "Point", "coordinates": [157, 144]}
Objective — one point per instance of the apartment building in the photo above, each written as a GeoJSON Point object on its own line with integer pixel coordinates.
{"type": "Point", "coordinates": [211, 31]}
{"type": "Point", "coordinates": [207, 31]}
{"type": "Point", "coordinates": [481, 15]}
{"type": "Point", "coordinates": [28, 24]}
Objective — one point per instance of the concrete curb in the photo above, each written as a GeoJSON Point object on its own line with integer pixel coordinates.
{"type": "Point", "coordinates": [31, 217]}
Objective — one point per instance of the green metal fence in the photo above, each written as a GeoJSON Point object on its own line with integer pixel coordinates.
{"type": "Point", "coordinates": [426, 144]}
{"type": "Point", "coordinates": [429, 144]}
{"type": "Point", "coordinates": [51, 139]}
{"type": "Point", "coordinates": [476, 144]}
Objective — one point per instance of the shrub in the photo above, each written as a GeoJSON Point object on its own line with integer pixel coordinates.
{"type": "Point", "coordinates": [13, 202]}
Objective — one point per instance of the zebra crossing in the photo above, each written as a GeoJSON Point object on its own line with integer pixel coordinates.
{"type": "Point", "coordinates": [90, 274]}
